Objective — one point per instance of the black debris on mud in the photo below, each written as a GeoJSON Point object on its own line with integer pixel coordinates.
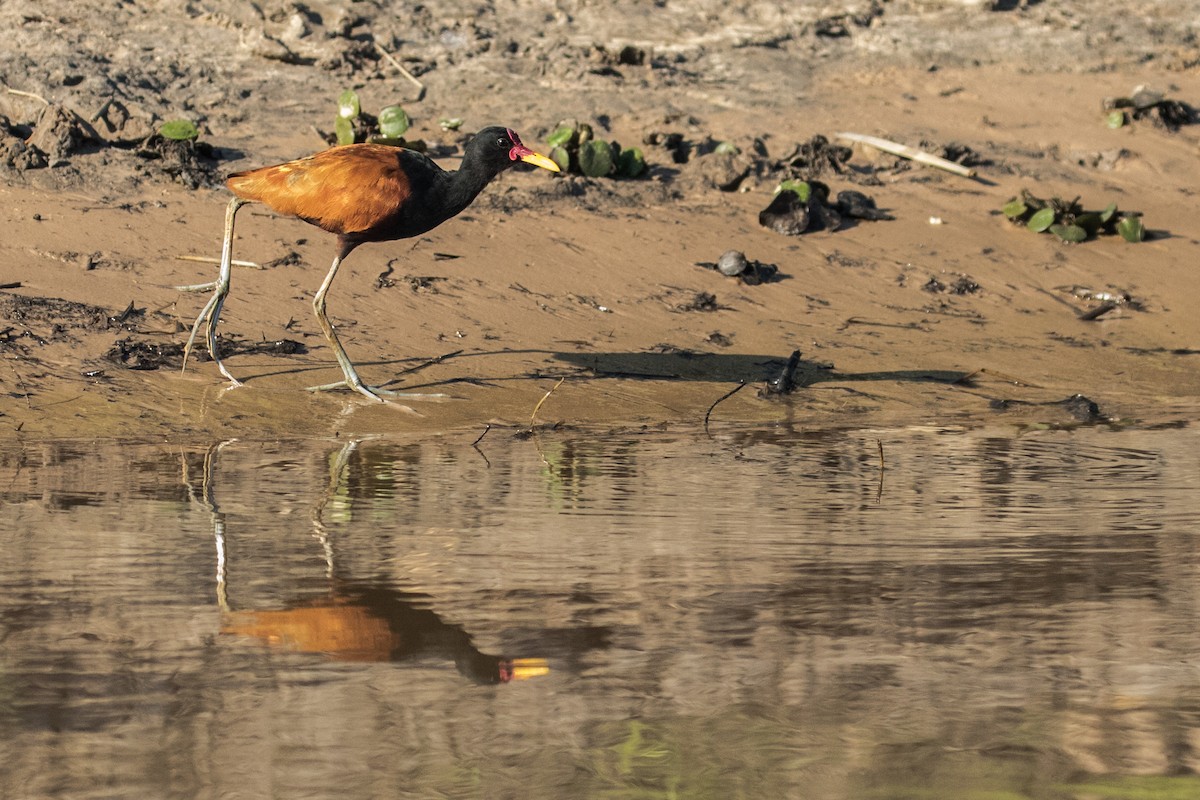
{"type": "Point", "coordinates": [856, 205]}
{"type": "Point", "coordinates": [1083, 408]}
{"type": "Point", "coordinates": [959, 153]}
{"type": "Point", "coordinates": [133, 354]}
{"type": "Point", "coordinates": [962, 285]}
{"type": "Point", "coordinates": [139, 354]}
{"type": "Point", "coordinates": [1145, 103]}
{"type": "Point", "coordinates": [47, 319]}
{"type": "Point", "coordinates": [696, 301]}
{"type": "Point", "coordinates": [787, 214]}
{"type": "Point", "coordinates": [734, 264]}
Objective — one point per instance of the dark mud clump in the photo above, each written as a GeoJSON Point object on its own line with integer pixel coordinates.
{"type": "Point", "coordinates": [791, 213]}
{"type": "Point", "coordinates": [960, 154]}
{"type": "Point", "coordinates": [57, 134]}
{"type": "Point", "coordinates": [816, 157]}
{"type": "Point", "coordinates": [187, 161]}
{"type": "Point", "coordinates": [15, 152]}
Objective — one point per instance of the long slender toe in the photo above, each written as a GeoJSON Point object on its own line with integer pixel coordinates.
{"type": "Point", "coordinates": [376, 392]}
{"type": "Point", "coordinates": [205, 314]}
{"type": "Point", "coordinates": [364, 390]}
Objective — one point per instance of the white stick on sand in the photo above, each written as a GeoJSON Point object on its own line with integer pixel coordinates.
{"type": "Point", "coordinates": [904, 151]}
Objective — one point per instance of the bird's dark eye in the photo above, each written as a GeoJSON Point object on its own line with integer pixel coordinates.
{"type": "Point", "coordinates": [502, 143]}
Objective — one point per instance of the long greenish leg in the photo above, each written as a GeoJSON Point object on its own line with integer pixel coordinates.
{"type": "Point", "coordinates": [212, 309]}
{"type": "Point", "coordinates": [351, 380]}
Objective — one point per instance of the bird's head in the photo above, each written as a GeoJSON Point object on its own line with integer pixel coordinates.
{"type": "Point", "coordinates": [500, 148]}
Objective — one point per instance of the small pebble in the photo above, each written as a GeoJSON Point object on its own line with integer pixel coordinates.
{"type": "Point", "coordinates": [732, 263]}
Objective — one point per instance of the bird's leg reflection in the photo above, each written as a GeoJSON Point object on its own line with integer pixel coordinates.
{"type": "Point", "coordinates": [339, 466]}
{"type": "Point", "coordinates": [208, 499]}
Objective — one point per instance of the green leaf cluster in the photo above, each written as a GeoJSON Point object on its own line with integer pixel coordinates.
{"type": "Point", "coordinates": [353, 125]}
{"type": "Point", "coordinates": [575, 148]}
{"type": "Point", "coordinates": [1070, 222]}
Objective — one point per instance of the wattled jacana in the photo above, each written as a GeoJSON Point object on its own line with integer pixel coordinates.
{"type": "Point", "coordinates": [361, 193]}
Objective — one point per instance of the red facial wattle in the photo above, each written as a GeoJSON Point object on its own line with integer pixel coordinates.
{"type": "Point", "coordinates": [518, 150]}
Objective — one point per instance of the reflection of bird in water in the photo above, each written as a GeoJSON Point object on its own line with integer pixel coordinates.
{"type": "Point", "coordinates": [364, 622]}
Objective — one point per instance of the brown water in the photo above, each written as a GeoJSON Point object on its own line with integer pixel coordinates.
{"type": "Point", "coordinates": [609, 615]}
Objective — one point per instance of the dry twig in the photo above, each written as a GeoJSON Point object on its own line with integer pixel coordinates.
{"type": "Point", "coordinates": [879, 493]}
{"type": "Point", "coordinates": [412, 78]}
{"type": "Point", "coordinates": [19, 93]}
{"type": "Point", "coordinates": [487, 427]}
{"type": "Point", "coordinates": [545, 397]}
{"type": "Point", "coordinates": [214, 260]}
{"type": "Point", "coordinates": [741, 385]}
{"type": "Point", "coordinates": [904, 151]}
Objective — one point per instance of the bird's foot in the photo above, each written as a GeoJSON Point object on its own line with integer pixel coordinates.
{"type": "Point", "coordinates": [234, 383]}
{"type": "Point", "coordinates": [374, 392]}
{"type": "Point", "coordinates": [363, 389]}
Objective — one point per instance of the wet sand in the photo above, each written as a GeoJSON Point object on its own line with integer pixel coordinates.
{"type": "Point", "coordinates": [971, 320]}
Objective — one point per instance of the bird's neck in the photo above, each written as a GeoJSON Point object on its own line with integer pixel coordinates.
{"type": "Point", "coordinates": [464, 185]}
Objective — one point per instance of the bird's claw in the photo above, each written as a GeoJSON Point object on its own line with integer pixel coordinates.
{"type": "Point", "coordinates": [361, 388]}
{"type": "Point", "coordinates": [374, 392]}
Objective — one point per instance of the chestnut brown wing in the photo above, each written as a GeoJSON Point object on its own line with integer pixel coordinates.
{"type": "Point", "coordinates": [344, 190]}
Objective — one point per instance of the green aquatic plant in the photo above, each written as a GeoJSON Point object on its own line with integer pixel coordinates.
{"type": "Point", "coordinates": [1069, 221]}
{"type": "Point", "coordinates": [393, 122]}
{"type": "Point", "coordinates": [180, 130]}
{"type": "Point", "coordinates": [631, 162]}
{"type": "Point", "coordinates": [596, 158]}
{"type": "Point", "coordinates": [349, 110]}
{"type": "Point", "coordinates": [575, 148]}
{"type": "Point", "coordinates": [801, 189]}
{"type": "Point", "coordinates": [1131, 229]}
{"type": "Point", "coordinates": [563, 136]}
{"type": "Point", "coordinates": [354, 125]}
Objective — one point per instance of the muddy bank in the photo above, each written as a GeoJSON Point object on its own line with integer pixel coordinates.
{"type": "Point", "coordinates": [946, 312]}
